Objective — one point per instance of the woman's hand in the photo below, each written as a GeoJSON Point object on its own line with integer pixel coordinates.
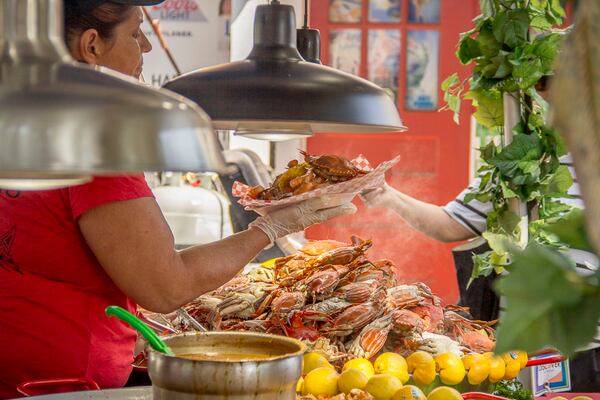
{"type": "Point", "coordinates": [298, 217]}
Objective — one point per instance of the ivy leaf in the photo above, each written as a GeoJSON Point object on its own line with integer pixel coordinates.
{"type": "Point", "coordinates": [497, 242]}
{"type": "Point", "coordinates": [468, 50]}
{"type": "Point", "coordinates": [560, 181]}
{"type": "Point", "coordinates": [571, 230]}
{"type": "Point", "coordinates": [546, 47]}
{"type": "Point", "coordinates": [523, 148]}
{"type": "Point", "coordinates": [482, 266]}
{"type": "Point", "coordinates": [488, 45]}
{"type": "Point", "coordinates": [450, 81]}
{"type": "Point", "coordinates": [490, 110]}
{"type": "Point", "coordinates": [488, 152]}
{"type": "Point", "coordinates": [511, 27]}
{"type": "Point", "coordinates": [528, 72]}
{"type": "Point", "coordinates": [487, 7]}
{"type": "Point", "coordinates": [548, 304]}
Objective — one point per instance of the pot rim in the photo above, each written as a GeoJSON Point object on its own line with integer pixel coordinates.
{"type": "Point", "coordinates": [301, 346]}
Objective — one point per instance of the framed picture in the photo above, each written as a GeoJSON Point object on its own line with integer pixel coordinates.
{"type": "Point", "coordinates": [422, 59]}
{"type": "Point", "coordinates": [345, 10]}
{"type": "Point", "coordinates": [384, 57]}
{"type": "Point", "coordinates": [344, 50]}
{"type": "Point", "coordinates": [424, 11]}
{"type": "Point", "coordinates": [385, 10]}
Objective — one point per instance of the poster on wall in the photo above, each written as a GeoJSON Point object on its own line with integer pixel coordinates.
{"type": "Point", "coordinates": [385, 10]}
{"type": "Point", "coordinates": [422, 59]}
{"type": "Point", "coordinates": [384, 58]}
{"type": "Point", "coordinates": [344, 50]}
{"type": "Point", "coordinates": [197, 33]}
{"type": "Point", "coordinates": [424, 11]}
{"type": "Point", "coordinates": [345, 10]}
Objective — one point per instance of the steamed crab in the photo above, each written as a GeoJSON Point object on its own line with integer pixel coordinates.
{"type": "Point", "coordinates": [313, 173]}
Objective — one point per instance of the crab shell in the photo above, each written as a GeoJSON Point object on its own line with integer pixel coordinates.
{"type": "Point", "coordinates": [332, 166]}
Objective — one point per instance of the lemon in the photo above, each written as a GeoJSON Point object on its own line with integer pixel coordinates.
{"type": "Point", "coordinates": [581, 398]}
{"type": "Point", "coordinates": [383, 386]}
{"type": "Point", "coordinates": [314, 360]}
{"type": "Point", "coordinates": [478, 368]}
{"type": "Point", "coordinates": [523, 358]}
{"type": "Point", "coordinates": [564, 398]}
{"type": "Point", "coordinates": [497, 367]}
{"type": "Point", "coordinates": [322, 381]}
{"type": "Point", "coordinates": [300, 385]}
{"type": "Point", "coordinates": [392, 363]}
{"type": "Point", "coordinates": [361, 364]}
{"type": "Point", "coordinates": [422, 366]}
{"type": "Point", "coordinates": [444, 393]}
{"type": "Point", "coordinates": [352, 379]}
{"type": "Point", "coordinates": [409, 392]}
{"type": "Point", "coordinates": [451, 368]}
{"type": "Point", "coordinates": [513, 365]}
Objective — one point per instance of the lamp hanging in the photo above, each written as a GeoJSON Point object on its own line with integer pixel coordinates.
{"type": "Point", "coordinates": [62, 122]}
{"type": "Point", "coordinates": [275, 91]}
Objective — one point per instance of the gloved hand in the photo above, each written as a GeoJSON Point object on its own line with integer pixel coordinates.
{"type": "Point", "coordinates": [298, 217]}
{"type": "Point", "coordinates": [381, 197]}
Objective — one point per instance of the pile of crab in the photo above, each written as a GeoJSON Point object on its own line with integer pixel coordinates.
{"type": "Point", "coordinates": [332, 297]}
{"type": "Point", "coordinates": [302, 177]}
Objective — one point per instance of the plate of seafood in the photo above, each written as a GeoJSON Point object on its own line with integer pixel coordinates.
{"type": "Point", "coordinates": [332, 178]}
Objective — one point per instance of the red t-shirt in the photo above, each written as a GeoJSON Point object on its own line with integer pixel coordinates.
{"type": "Point", "coordinates": [53, 291]}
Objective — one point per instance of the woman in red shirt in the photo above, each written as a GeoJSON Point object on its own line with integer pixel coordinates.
{"type": "Point", "coordinates": [67, 254]}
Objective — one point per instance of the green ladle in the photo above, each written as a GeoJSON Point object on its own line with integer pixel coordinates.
{"type": "Point", "coordinates": [148, 334]}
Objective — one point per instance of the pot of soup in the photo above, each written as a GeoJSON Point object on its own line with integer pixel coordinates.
{"type": "Point", "coordinates": [226, 365]}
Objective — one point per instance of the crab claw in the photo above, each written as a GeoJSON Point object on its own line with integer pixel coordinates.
{"type": "Point", "coordinates": [372, 338]}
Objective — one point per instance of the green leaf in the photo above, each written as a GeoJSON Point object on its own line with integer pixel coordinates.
{"type": "Point", "coordinates": [546, 47]}
{"type": "Point", "coordinates": [560, 181]}
{"type": "Point", "coordinates": [548, 304]}
{"type": "Point", "coordinates": [512, 160]}
{"type": "Point", "coordinates": [488, 152]}
{"type": "Point", "coordinates": [487, 7]}
{"type": "Point", "coordinates": [488, 45]}
{"type": "Point", "coordinates": [509, 221]}
{"type": "Point", "coordinates": [499, 243]}
{"type": "Point", "coordinates": [528, 72]}
{"type": "Point", "coordinates": [468, 50]}
{"type": "Point", "coordinates": [511, 27]}
{"type": "Point", "coordinates": [450, 81]}
{"type": "Point", "coordinates": [481, 266]}
{"type": "Point", "coordinates": [571, 230]}
{"type": "Point", "coordinates": [490, 110]}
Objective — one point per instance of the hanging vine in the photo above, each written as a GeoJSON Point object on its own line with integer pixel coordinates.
{"type": "Point", "coordinates": [513, 44]}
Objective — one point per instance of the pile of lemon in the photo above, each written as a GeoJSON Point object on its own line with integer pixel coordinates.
{"type": "Point", "coordinates": [388, 376]}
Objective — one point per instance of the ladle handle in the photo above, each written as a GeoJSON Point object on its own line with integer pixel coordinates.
{"type": "Point", "coordinates": [148, 334]}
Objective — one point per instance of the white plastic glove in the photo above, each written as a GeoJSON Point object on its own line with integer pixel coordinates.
{"type": "Point", "coordinates": [381, 197]}
{"type": "Point", "coordinates": [298, 217]}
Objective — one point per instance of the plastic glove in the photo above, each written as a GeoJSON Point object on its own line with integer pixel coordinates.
{"type": "Point", "coordinates": [381, 197]}
{"type": "Point", "coordinates": [298, 217]}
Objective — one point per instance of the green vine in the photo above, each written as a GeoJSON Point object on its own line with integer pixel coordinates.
{"type": "Point", "coordinates": [512, 45]}
{"type": "Point", "coordinates": [549, 302]}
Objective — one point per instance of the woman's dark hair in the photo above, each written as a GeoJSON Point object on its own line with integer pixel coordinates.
{"type": "Point", "coordinates": [103, 18]}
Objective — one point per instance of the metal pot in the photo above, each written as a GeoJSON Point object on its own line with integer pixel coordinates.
{"type": "Point", "coordinates": [273, 377]}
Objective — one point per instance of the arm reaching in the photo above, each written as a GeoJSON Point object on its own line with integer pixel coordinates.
{"type": "Point", "coordinates": [429, 219]}
{"type": "Point", "coordinates": [135, 246]}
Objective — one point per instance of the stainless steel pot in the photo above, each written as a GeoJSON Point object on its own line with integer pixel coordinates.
{"type": "Point", "coordinates": [273, 377]}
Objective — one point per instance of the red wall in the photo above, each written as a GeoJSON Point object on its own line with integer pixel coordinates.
{"type": "Point", "coordinates": [434, 151]}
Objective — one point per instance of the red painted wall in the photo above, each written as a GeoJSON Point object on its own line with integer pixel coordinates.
{"type": "Point", "coordinates": [434, 151]}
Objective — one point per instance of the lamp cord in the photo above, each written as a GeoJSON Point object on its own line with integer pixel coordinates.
{"type": "Point", "coordinates": [305, 14]}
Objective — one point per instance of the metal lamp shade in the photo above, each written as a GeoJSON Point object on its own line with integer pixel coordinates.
{"type": "Point", "coordinates": [61, 122]}
{"type": "Point", "coordinates": [276, 91]}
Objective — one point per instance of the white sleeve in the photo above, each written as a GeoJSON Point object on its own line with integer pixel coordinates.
{"type": "Point", "coordinates": [471, 215]}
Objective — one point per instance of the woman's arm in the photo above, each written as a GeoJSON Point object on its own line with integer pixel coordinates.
{"type": "Point", "coordinates": [429, 219]}
{"type": "Point", "coordinates": [135, 246]}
